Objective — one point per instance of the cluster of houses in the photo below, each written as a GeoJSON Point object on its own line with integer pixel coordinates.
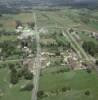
{"type": "Point", "coordinates": [25, 32]}
{"type": "Point", "coordinates": [69, 58]}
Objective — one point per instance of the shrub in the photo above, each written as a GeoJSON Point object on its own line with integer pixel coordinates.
{"type": "Point", "coordinates": [40, 94]}
{"type": "Point", "coordinates": [64, 89]}
{"type": "Point", "coordinates": [87, 93]}
{"type": "Point", "coordinates": [14, 77]}
{"type": "Point", "coordinates": [28, 75]}
{"type": "Point", "coordinates": [88, 70]}
{"type": "Point", "coordinates": [28, 87]}
{"type": "Point", "coordinates": [97, 62]}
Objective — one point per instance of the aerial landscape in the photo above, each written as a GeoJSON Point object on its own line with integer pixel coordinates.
{"type": "Point", "coordinates": [48, 49]}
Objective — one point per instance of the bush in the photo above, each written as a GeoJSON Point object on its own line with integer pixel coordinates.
{"type": "Point", "coordinates": [40, 94]}
{"type": "Point", "coordinates": [28, 87]}
{"type": "Point", "coordinates": [90, 47]}
{"type": "Point", "coordinates": [67, 88]}
{"type": "Point", "coordinates": [14, 77]}
{"type": "Point", "coordinates": [28, 75]}
{"type": "Point", "coordinates": [63, 70]}
{"type": "Point", "coordinates": [20, 73]}
{"type": "Point", "coordinates": [64, 89]}
{"type": "Point", "coordinates": [87, 93]}
{"type": "Point", "coordinates": [97, 62]}
{"type": "Point", "coordinates": [88, 70]}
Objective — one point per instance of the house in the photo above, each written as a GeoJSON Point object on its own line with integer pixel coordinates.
{"type": "Point", "coordinates": [74, 64]}
{"type": "Point", "coordinates": [19, 29]}
{"type": "Point", "coordinates": [26, 32]}
{"type": "Point", "coordinates": [94, 34]}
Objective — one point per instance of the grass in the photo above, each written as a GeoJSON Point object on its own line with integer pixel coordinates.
{"type": "Point", "coordinates": [54, 18]}
{"type": "Point", "coordinates": [86, 37]}
{"type": "Point", "coordinates": [12, 93]}
{"type": "Point", "coordinates": [65, 17]}
{"type": "Point", "coordinates": [7, 38]}
{"type": "Point", "coordinates": [78, 81]}
{"type": "Point", "coordinates": [94, 24]}
{"type": "Point", "coordinates": [8, 21]}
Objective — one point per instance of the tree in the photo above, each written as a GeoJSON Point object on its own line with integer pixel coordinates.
{"type": "Point", "coordinates": [14, 77]}
{"type": "Point", "coordinates": [97, 62]}
{"type": "Point", "coordinates": [90, 47]}
{"type": "Point", "coordinates": [32, 25]}
{"type": "Point", "coordinates": [87, 93]}
{"type": "Point", "coordinates": [27, 74]}
{"type": "Point", "coordinates": [71, 30]}
{"type": "Point", "coordinates": [1, 25]}
{"type": "Point", "coordinates": [85, 17]}
{"type": "Point", "coordinates": [40, 94]}
{"type": "Point", "coordinates": [18, 23]}
{"type": "Point", "coordinates": [28, 87]}
{"type": "Point", "coordinates": [89, 70]}
{"type": "Point", "coordinates": [64, 89]}
{"type": "Point", "coordinates": [0, 15]}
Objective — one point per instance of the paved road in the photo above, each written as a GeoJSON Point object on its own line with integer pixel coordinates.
{"type": "Point", "coordinates": [37, 64]}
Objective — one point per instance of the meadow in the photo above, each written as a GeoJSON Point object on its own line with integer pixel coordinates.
{"type": "Point", "coordinates": [77, 81]}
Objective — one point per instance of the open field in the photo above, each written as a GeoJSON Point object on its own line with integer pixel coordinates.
{"type": "Point", "coordinates": [8, 21]}
{"type": "Point", "coordinates": [77, 81]}
{"type": "Point", "coordinates": [8, 38]}
{"type": "Point", "coordinates": [65, 17]}
{"type": "Point", "coordinates": [10, 92]}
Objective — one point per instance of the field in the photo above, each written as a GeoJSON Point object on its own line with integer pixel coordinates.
{"type": "Point", "coordinates": [65, 17]}
{"type": "Point", "coordinates": [77, 81]}
{"type": "Point", "coordinates": [8, 38]}
{"type": "Point", "coordinates": [8, 21]}
{"type": "Point", "coordinates": [10, 92]}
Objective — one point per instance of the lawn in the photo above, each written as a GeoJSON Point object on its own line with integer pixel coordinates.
{"type": "Point", "coordinates": [78, 81]}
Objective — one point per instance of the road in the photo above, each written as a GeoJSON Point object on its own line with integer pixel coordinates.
{"type": "Point", "coordinates": [37, 64]}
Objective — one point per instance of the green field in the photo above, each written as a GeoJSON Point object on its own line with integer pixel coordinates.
{"type": "Point", "coordinates": [8, 92]}
{"type": "Point", "coordinates": [66, 17]}
{"type": "Point", "coordinates": [77, 81]}
{"type": "Point", "coordinates": [8, 38]}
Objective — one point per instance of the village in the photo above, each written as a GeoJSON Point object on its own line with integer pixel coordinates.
{"type": "Point", "coordinates": [54, 50]}
{"type": "Point", "coordinates": [48, 57]}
